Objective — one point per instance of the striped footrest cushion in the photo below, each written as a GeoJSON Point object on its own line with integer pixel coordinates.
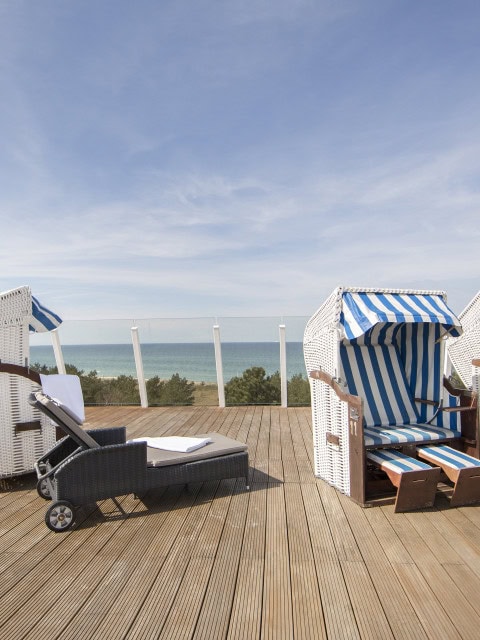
{"type": "Point", "coordinates": [447, 457]}
{"type": "Point", "coordinates": [460, 468]}
{"type": "Point", "coordinates": [416, 482]}
{"type": "Point", "coordinates": [396, 461]}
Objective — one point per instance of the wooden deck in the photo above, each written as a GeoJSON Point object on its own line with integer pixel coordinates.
{"type": "Point", "coordinates": [291, 558]}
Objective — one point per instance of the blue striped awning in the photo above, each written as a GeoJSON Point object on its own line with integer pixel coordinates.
{"type": "Point", "coordinates": [42, 319]}
{"type": "Point", "coordinates": [362, 310]}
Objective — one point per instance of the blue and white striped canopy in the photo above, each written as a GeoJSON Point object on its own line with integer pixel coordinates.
{"type": "Point", "coordinates": [42, 319]}
{"type": "Point", "coordinates": [364, 309]}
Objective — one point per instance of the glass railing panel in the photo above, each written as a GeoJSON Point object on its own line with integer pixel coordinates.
{"type": "Point", "coordinates": [254, 342]}
{"type": "Point", "coordinates": [176, 346]}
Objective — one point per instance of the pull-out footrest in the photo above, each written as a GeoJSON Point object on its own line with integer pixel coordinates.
{"type": "Point", "coordinates": [463, 470]}
{"type": "Point", "coordinates": [416, 481]}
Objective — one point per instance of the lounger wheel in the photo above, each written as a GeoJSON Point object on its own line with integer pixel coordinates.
{"type": "Point", "coordinates": [60, 516]}
{"type": "Point", "coordinates": [43, 489]}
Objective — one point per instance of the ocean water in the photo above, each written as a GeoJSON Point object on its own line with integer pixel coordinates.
{"type": "Point", "coordinates": [194, 361]}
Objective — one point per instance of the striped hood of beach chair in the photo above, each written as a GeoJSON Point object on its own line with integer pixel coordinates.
{"type": "Point", "coordinates": [398, 358]}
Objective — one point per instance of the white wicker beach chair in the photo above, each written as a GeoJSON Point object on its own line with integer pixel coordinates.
{"type": "Point", "coordinates": [462, 350]}
{"type": "Point", "coordinates": [25, 434]}
{"type": "Point", "coordinates": [375, 359]}
{"type": "Point", "coordinates": [464, 357]}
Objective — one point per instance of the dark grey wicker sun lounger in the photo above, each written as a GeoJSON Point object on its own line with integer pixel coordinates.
{"type": "Point", "coordinates": [91, 465]}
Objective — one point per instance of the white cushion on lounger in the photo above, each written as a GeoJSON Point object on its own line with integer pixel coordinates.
{"type": "Point", "coordinates": [219, 446]}
{"type": "Point", "coordinates": [174, 443]}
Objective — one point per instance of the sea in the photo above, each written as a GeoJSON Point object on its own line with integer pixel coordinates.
{"type": "Point", "coordinates": [193, 361]}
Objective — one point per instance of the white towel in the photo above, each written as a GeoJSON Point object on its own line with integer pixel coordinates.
{"type": "Point", "coordinates": [67, 390]}
{"type": "Point", "coordinates": [175, 443]}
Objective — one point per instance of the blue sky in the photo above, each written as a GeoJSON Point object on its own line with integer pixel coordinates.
{"type": "Point", "coordinates": [237, 157]}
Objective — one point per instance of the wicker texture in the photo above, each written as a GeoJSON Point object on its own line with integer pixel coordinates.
{"type": "Point", "coordinates": [18, 451]}
{"type": "Point", "coordinates": [329, 414]}
{"type": "Point", "coordinates": [331, 460]}
{"type": "Point", "coordinates": [464, 349]}
{"type": "Point", "coordinates": [476, 379]}
{"type": "Point", "coordinates": [320, 339]}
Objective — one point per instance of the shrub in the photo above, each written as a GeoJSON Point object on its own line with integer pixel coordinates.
{"type": "Point", "coordinates": [176, 391]}
{"type": "Point", "coordinates": [253, 387]}
{"type": "Point", "coordinates": [121, 390]}
{"type": "Point", "coordinates": [298, 390]}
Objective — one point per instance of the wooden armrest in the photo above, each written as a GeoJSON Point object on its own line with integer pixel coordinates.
{"type": "Point", "coordinates": [17, 370]}
{"type": "Point", "coordinates": [325, 377]}
{"type": "Point", "coordinates": [454, 409]}
{"type": "Point", "coordinates": [429, 402]}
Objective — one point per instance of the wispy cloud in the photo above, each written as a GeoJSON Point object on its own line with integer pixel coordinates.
{"type": "Point", "coordinates": [241, 157]}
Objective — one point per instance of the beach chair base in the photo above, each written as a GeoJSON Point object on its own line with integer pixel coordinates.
{"type": "Point", "coordinates": [461, 469]}
{"type": "Point", "coordinates": [415, 481]}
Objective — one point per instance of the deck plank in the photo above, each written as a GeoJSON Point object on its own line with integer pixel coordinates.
{"type": "Point", "coordinates": [308, 621]}
{"type": "Point", "coordinates": [399, 612]}
{"type": "Point", "coordinates": [277, 619]}
{"type": "Point", "coordinates": [186, 608]}
{"type": "Point", "coordinates": [246, 615]}
{"type": "Point", "coordinates": [292, 558]}
{"type": "Point", "coordinates": [457, 608]}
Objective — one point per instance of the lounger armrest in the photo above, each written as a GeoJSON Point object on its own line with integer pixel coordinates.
{"type": "Point", "coordinates": [110, 435]}
{"type": "Point", "coordinates": [96, 474]}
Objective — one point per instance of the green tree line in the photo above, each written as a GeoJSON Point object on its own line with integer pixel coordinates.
{"type": "Point", "coordinates": [252, 387]}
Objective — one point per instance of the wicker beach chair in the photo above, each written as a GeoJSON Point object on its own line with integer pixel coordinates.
{"type": "Point", "coordinates": [96, 464]}
{"type": "Point", "coordinates": [375, 359]}
{"type": "Point", "coordinates": [24, 434]}
{"type": "Point", "coordinates": [463, 349]}
{"type": "Point", "coordinates": [464, 357]}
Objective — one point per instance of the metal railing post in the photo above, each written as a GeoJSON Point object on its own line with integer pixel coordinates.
{"type": "Point", "coordinates": [283, 366]}
{"type": "Point", "coordinates": [219, 365]}
{"type": "Point", "coordinates": [57, 350]}
{"type": "Point", "coordinates": [139, 366]}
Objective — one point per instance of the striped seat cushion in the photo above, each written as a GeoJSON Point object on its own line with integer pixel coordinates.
{"type": "Point", "coordinates": [384, 436]}
{"type": "Point", "coordinates": [376, 374]}
{"type": "Point", "coordinates": [447, 457]}
{"type": "Point", "coordinates": [396, 461]}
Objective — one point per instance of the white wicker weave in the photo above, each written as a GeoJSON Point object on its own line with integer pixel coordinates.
{"type": "Point", "coordinates": [18, 451]}
{"type": "Point", "coordinates": [461, 351]}
{"type": "Point", "coordinates": [320, 347]}
{"type": "Point", "coordinates": [476, 379]}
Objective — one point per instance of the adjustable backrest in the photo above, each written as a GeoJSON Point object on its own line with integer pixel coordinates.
{"type": "Point", "coordinates": [67, 391]}
{"type": "Point", "coordinates": [376, 374]}
{"type": "Point", "coordinates": [65, 419]}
